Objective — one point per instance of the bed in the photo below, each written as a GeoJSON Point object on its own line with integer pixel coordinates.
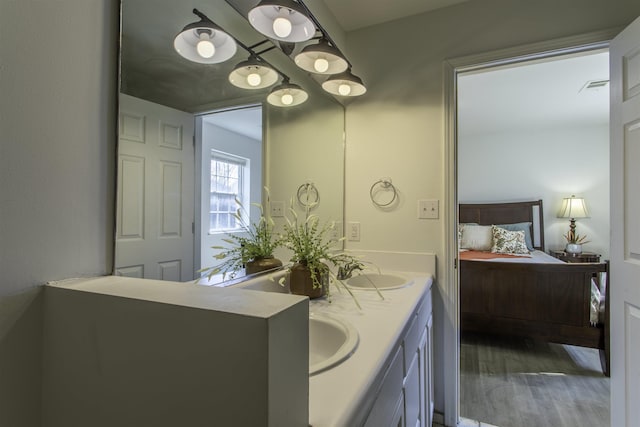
{"type": "Point", "coordinates": [536, 297]}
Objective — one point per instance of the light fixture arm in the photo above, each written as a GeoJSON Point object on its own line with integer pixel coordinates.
{"type": "Point", "coordinates": [203, 16]}
{"type": "Point", "coordinates": [253, 46]}
{"type": "Point", "coordinates": [265, 50]}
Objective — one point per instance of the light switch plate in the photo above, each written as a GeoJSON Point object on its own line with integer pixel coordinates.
{"type": "Point", "coordinates": [428, 209]}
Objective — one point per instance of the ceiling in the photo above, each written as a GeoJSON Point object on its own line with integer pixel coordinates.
{"type": "Point", "coordinates": [152, 70]}
{"type": "Point", "coordinates": [355, 14]}
{"type": "Point", "coordinates": [243, 121]}
{"type": "Point", "coordinates": [535, 95]}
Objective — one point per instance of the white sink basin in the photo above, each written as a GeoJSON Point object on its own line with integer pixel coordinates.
{"type": "Point", "coordinates": [381, 281]}
{"type": "Point", "coordinates": [331, 341]}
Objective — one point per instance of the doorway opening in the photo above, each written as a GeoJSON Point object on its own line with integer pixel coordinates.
{"type": "Point", "coordinates": [229, 168]}
{"type": "Point", "coordinates": [535, 129]}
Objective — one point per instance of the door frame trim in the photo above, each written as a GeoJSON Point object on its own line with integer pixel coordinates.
{"type": "Point", "coordinates": [452, 68]}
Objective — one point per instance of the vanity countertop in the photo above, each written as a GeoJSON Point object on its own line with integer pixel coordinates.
{"type": "Point", "coordinates": [187, 294]}
{"type": "Point", "coordinates": [337, 394]}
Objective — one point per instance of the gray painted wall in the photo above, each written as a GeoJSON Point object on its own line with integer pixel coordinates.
{"type": "Point", "coordinates": [57, 122]}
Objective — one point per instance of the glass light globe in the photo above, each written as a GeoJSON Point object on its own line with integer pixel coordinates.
{"type": "Point", "coordinates": [321, 65]}
{"type": "Point", "coordinates": [205, 47]}
{"type": "Point", "coordinates": [344, 89]}
{"type": "Point", "coordinates": [254, 79]}
{"type": "Point", "coordinates": [287, 99]}
{"type": "Point", "coordinates": [282, 27]}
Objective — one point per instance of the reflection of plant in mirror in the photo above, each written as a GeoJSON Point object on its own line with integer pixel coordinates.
{"type": "Point", "coordinates": [256, 240]}
{"type": "Point", "coordinates": [312, 246]}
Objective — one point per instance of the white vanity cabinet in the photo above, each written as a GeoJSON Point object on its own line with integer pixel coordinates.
{"type": "Point", "coordinates": [405, 393]}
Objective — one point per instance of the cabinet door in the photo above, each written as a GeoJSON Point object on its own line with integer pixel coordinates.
{"type": "Point", "coordinates": [428, 352]}
{"type": "Point", "coordinates": [423, 360]}
{"type": "Point", "coordinates": [398, 419]}
{"type": "Point", "coordinates": [412, 391]}
{"type": "Point", "coordinates": [425, 354]}
{"type": "Point", "coordinates": [383, 412]}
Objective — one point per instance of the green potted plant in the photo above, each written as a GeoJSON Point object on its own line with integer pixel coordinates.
{"type": "Point", "coordinates": [312, 252]}
{"type": "Point", "coordinates": [250, 249]}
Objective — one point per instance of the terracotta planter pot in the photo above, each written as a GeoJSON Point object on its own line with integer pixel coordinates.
{"type": "Point", "coordinates": [301, 282]}
{"type": "Point", "coordinates": [262, 264]}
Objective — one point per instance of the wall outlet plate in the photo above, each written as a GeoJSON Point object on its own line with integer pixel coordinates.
{"type": "Point", "coordinates": [277, 209]}
{"type": "Point", "coordinates": [353, 231]}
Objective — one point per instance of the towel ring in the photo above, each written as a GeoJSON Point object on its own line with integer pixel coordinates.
{"type": "Point", "coordinates": [310, 193]}
{"type": "Point", "coordinates": [384, 184]}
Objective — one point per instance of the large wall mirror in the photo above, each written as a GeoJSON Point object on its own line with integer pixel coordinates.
{"type": "Point", "coordinates": [178, 118]}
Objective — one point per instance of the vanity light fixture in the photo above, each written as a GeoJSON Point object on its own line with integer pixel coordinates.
{"type": "Point", "coordinates": [204, 42]}
{"type": "Point", "coordinates": [344, 84]}
{"type": "Point", "coordinates": [321, 58]}
{"type": "Point", "coordinates": [287, 94]}
{"type": "Point", "coordinates": [253, 74]}
{"type": "Point", "coordinates": [284, 20]}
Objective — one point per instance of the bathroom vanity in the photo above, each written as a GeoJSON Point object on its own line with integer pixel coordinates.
{"type": "Point", "coordinates": [131, 352]}
{"type": "Point", "coordinates": [388, 379]}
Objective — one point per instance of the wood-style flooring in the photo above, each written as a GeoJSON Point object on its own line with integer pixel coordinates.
{"type": "Point", "coordinates": [514, 382]}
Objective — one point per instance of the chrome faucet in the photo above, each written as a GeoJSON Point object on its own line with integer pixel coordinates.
{"type": "Point", "coordinates": [345, 271]}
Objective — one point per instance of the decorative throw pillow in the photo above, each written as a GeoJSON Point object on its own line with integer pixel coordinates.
{"type": "Point", "coordinates": [520, 226]}
{"type": "Point", "coordinates": [476, 237]}
{"type": "Point", "coordinates": [508, 242]}
{"type": "Point", "coordinates": [460, 231]}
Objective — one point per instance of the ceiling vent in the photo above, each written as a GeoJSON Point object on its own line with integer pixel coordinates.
{"type": "Point", "coordinates": [594, 85]}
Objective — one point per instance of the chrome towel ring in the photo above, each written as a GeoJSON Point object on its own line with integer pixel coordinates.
{"type": "Point", "coordinates": [383, 184]}
{"type": "Point", "coordinates": [308, 195]}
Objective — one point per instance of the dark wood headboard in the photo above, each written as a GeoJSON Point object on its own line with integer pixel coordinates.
{"type": "Point", "coordinates": [506, 213]}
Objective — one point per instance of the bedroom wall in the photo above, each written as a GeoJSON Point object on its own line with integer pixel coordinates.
{"type": "Point", "coordinates": [533, 165]}
{"type": "Point", "coordinates": [57, 157]}
{"type": "Point", "coordinates": [397, 129]}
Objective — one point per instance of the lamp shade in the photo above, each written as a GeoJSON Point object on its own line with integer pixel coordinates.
{"type": "Point", "coordinates": [283, 20]}
{"type": "Point", "coordinates": [321, 58]}
{"type": "Point", "coordinates": [344, 84]}
{"type": "Point", "coordinates": [287, 95]}
{"type": "Point", "coordinates": [573, 207]}
{"type": "Point", "coordinates": [253, 74]}
{"type": "Point", "coordinates": [204, 42]}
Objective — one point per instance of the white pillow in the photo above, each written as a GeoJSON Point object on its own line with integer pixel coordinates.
{"type": "Point", "coordinates": [476, 237]}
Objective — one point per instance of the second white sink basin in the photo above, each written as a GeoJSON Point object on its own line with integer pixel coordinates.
{"type": "Point", "coordinates": [381, 281]}
{"type": "Point", "coordinates": [331, 341]}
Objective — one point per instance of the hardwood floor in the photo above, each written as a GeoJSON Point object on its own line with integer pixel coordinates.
{"type": "Point", "coordinates": [521, 383]}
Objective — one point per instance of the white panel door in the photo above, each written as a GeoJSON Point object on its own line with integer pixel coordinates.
{"type": "Point", "coordinates": [625, 227]}
{"type": "Point", "coordinates": [155, 192]}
